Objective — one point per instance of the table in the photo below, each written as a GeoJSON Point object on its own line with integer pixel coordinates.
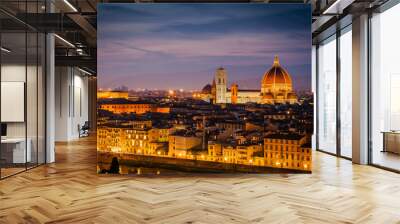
{"type": "Point", "coordinates": [391, 141]}
{"type": "Point", "coordinates": [15, 148]}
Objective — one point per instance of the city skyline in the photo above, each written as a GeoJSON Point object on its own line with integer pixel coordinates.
{"type": "Point", "coordinates": [179, 46]}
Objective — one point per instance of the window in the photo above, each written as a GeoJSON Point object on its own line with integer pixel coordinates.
{"type": "Point", "coordinates": [346, 92]}
{"type": "Point", "coordinates": [385, 89]}
{"type": "Point", "coordinates": [327, 95]}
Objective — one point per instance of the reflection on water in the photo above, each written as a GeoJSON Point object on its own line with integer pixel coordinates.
{"type": "Point", "coordinates": [130, 170]}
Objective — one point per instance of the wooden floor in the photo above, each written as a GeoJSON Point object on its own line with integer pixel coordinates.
{"type": "Point", "coordinates": [70, 191]}
{"type": "Point", "coordinates": [387, 159]}
{"type": "Point", "coordinates": [5, 172]}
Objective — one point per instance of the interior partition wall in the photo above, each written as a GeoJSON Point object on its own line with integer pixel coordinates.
{"type": "Point", "coordinates": [385, 89]}
{"type": "Point", "coordinates": [334, 94]}
{"type": "Point", "coordinates": [22, 77]}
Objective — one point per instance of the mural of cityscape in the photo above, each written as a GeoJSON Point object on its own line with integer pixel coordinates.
{"type": "Point", "coordinates": [204, 88]}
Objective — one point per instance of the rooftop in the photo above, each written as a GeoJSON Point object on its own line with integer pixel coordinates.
{"type": "Point", "coordinates": [290, 136]}
{"type": "Point", "coordinates": [122, 101]}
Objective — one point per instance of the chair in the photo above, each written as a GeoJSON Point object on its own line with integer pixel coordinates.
{"type": "Point", "coordinates": [84, 130]}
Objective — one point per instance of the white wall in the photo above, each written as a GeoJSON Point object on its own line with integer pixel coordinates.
{"type": "Point", "coordinates": [33, 126]}
{"type": "Point", "coordinates": [71, 102]}
{"type": "Point", "coordinates": [12, 73]}
{"type": "Point", "coordinates": [17, 73]}
{"type": "Point", "coordinates": [80, 112]}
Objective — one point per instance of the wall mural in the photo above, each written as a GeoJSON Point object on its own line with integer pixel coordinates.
{"type": "Point", "coordinates": [204, 88]}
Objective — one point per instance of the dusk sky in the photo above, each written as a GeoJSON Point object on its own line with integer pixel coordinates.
{"type": "Point", "coordinates": [179, 46]}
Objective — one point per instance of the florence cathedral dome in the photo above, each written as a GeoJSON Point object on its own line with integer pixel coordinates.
{"type": "Point", "coordinates": [276, 85]}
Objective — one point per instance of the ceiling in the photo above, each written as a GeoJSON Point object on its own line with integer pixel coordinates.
{"type": "Point", "coordinates": [74, 21]}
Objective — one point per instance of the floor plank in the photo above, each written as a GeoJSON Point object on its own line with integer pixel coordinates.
{"type": "Point", "coordinates": [70, 191]}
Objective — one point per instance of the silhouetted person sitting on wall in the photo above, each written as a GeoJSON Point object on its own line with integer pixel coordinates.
{"type": "Point", "coordinates": [114, 168]}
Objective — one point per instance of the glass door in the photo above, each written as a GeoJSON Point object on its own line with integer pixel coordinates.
{"type": "Point", "coordinates": [14, 156]}
{"type": "Point", "coordinates": [22, 88]}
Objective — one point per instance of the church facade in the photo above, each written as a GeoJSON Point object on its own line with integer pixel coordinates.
{"type": "Point", "coordinates": [276, 88]}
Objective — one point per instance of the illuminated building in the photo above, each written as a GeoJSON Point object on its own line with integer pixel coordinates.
{"type": "Point", "coordinates": [141, 124]}
{"type": "Point", "coordinates": [112, 94]}
{"type": "Point", "coordinates": [276, 87]}
{"type": "Point", "coordinates": [229, 127]}
{"type": "Point", "coordinates": [205, 94]}
{"type": "Point", "coordinates": [120, 106]}
{"type": "Point", "coordinates": [213, 92]}
{"type": "Point", "coordinates": [238, 154]}
{"type": "Point", "coordinates": [111, 139]}
{"type": "Point", "coordinates": [137, 137]}
{"type": "Point", "coordinates": [164, 110]}
{"type": "Point", "coordinates": [215, 152]}
{"type": "Point", "coordinates": [228, 154]}
{"type": "Point", "coordinates": [144, 140]}
{"type": "Point", "coordinates": [247, 153]}
{"type": "Point", "coordinates": [284, 115]}
{"type": "Point", "coordinates": [258, 160]}
{"type": "Point", "coordinates": [158, 148]}
{"type": "Point", "coordinates": [158, 134]}
{"type": "Point", "coordinates": [221, 80]}
{"type": "Point", "coordinates": [234, 93]}
{"type": "Point", "coordinates": [290, 151]}
{"type": "Point", "coordinates": [221, 94]}
{"type": "Point", "coordinates": [180, 144]}
{"type": "Point", "coordinates": [126, 106]}
{"type": "Point", "coordinates": [137, 141]}
{"type": "Point", "coordinates": [254, 126]}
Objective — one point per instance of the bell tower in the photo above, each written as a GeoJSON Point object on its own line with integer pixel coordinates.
{"type": "Point", "coordinates": [234, 93]}
{"type": "Point", "coordinates": [221, 84]}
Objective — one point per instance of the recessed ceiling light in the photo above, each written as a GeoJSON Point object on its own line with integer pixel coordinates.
{"type": "Point", "coordinates": [337, 7]}
{"type": "Point", "coordinates": [70, 5]}
{"type": "Point", "coordinates": [5, 50]}
{"type": "Point", "coordinates": [84, 71]}
{"type": "Point", "coordinates": [64, 40]}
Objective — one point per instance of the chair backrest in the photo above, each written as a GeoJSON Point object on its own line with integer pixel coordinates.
{"type": "Point", "coordinates": [86, 125]}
